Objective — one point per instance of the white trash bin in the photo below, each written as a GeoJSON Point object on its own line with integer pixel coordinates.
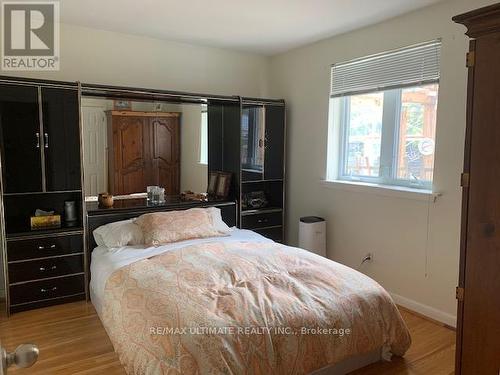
{"type": "Point", "coordinates": [312, 234]}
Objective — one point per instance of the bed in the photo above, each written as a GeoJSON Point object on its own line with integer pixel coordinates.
{"type": "Point", "coordinates": [240, 304]}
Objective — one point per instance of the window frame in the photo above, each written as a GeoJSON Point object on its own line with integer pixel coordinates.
{"type": "Point", "coordinates": [391, 119]}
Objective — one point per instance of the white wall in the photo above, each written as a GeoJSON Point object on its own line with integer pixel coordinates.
{"type": "Point", "coordinates": [415, 243]}
{"type": "Point", "coordinates": [104, 57]}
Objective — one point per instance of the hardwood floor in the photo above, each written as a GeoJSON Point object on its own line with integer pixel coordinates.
{"type": "Point", "coordinates": [72, 341]}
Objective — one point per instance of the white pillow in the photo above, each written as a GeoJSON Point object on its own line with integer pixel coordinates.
{"type": "Point", "coordinates": [118, 234]}
{"type": "Point", "coordinates": [217, 220]}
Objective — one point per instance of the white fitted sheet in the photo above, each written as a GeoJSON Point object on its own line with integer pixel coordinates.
{"type": "Point", "coordinates": [105, 260]}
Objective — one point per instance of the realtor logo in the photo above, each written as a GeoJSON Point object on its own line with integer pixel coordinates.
{"type": "Point", "coordinates": [30, 35]}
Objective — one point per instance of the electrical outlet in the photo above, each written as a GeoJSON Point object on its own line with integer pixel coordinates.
{"type": "Point", "coordinates": [367, 258]}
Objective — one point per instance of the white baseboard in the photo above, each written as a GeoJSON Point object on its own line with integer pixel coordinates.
{"type": "Point", "coordinates": [431, 312]}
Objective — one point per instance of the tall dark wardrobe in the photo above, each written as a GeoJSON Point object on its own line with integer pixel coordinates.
{"type": "Point", "coordinates": [41, 169]}
{"type": "Point", "coordinates": [478, 293]}
{"type": "Point", "coordinates": [254, 152]}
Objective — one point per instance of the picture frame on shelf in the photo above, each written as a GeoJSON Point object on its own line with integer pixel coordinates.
{"type": "Point", "coordinates": [212, 183]}
{"type": "Point", "coordinates": [122, 105]}
{"type": "Point", "coordinates": [223, 184]}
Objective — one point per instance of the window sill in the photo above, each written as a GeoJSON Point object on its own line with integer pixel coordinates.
{"type": "Point", "coordinates": [384, 190]}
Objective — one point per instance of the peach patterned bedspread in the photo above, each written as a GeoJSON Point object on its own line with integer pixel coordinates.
{"type": "Point", "coordinates": [245, 308]}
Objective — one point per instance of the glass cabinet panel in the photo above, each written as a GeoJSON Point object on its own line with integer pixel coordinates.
{"type": "Point", "coordinates": [253, 143]}
{"type": "Point", "coordinates": [61, 139]}
{"type": "Point", "coordinates": [20, 139]}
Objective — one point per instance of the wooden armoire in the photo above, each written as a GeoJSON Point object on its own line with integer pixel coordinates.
{"type": "Point", "coordinates": [478, 293]}
{"type": "Point", "coordinates": [143, 149]}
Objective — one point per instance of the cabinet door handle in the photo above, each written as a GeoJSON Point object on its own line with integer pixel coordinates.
{"type": "Point", "coordinates": [37, 140]}
{"type": "Point", "coordinates": [43, 290]}
{"type": "Point", "coordinates": [46, 143]}
{"type": "Point", "coordinates": [262, 221]}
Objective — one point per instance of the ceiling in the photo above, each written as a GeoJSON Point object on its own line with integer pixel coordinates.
{"type": "Point", "coordinates": [261, 26]}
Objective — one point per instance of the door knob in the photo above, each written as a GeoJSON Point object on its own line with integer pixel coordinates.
{"type": "Point", "coordinates": [25, 355]}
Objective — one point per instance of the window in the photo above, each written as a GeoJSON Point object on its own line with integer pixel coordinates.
{"type": "Point", "coordinates": [383, 118]}
{"type": "Point", "coordinates": [204, 138]}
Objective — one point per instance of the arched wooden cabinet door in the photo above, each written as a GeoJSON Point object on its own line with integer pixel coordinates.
{"type": "Point", "coordinates": [166, 153]}
{"type": "Point", "coordinates": [144, 150]}
{"type": "Point", "coordinates": [25, 355]}
{"type": "Point", "coordinates": [130, 154]}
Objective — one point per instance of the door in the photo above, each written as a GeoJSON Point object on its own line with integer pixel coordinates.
{"type": "Point", "coordinates": [274, 142]}
{"type": "Point", "coordinates": [20, 139]}
{"type": "Point", "coordinates": [166, 153]}
{"type": "Point", "coordinates": [131, 155]}
{"type": "Point", "coordinates": [61, 139]}
{"type": "Point", "coordinates": [481, 302]}
{"type": "Point", "coordinates": [94, 150]}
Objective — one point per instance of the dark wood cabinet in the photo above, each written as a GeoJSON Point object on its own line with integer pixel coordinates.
{"type": "Point", "coordinates": [61, 139]}
{"type": "Point", "coordinates": [20, 140]}
{"type": "Point", "coordinates": [41, 169]}
{"type": "Point", "coordinates": [478, 326]}
{"type": "Point", "coordinates": [40, 149]}
{"type": "Point", "coordinates": [44, 155]}
{"type": "Point", "coordinates": [144, 149]}
{"type": "Point", "coordinates": [262, 167]}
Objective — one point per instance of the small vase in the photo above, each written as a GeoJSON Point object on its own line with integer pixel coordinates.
{"type": "Point", "coordinates": [105, 200]}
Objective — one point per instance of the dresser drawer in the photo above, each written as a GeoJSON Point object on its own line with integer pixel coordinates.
{"type": "Point", "coordinates": [44, 268]}
{"type": "Point", "coordinates": [47, 289]}
{"type": "Point", "coordinates": [275, 234]}
{"type": "Point", "coordinates": [261, 220]}
{"type": "Point", "coordinates": [44, 247]}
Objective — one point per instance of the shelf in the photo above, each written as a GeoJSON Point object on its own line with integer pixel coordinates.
{"type": "Point", "coordinates": [45, 232]}
{"type": "Point", "coordinates": [264, 210]}
{"type": "Point", "coordinates": [137, 204]}
{"type": "Point", "coordinates": [42, 192]}
{"type": "Point", "coordinates": [260, 181]}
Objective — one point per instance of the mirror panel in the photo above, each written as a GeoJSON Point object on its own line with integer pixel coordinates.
{"type": "Point", "coordinates": [131, 144]}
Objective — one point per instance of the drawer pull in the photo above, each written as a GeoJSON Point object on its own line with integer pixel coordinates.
{"type": "Point", "coordinates": [262, 221]}
{"type": "Point", "coordinates": [43, 290]}
{"type": "Point", "coordinates": [41, 247]}
{"type": "Point", "coordinates": [43, 269]}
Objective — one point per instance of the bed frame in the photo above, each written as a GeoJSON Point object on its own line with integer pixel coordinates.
{"type": "Point", "coordinates": [96, 218]}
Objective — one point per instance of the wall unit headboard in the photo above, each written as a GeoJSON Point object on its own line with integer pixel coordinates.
{"type": "Point", "coordinates": [98, 217]}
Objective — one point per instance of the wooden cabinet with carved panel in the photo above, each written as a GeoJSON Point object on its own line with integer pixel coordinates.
{"type": "Point", "coordinates": [144, 149]}
{"type": "Point", "coordinates": [478, 325]}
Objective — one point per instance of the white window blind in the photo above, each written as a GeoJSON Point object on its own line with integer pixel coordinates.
{"type": "Point", "coordinates": [409, 66]}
